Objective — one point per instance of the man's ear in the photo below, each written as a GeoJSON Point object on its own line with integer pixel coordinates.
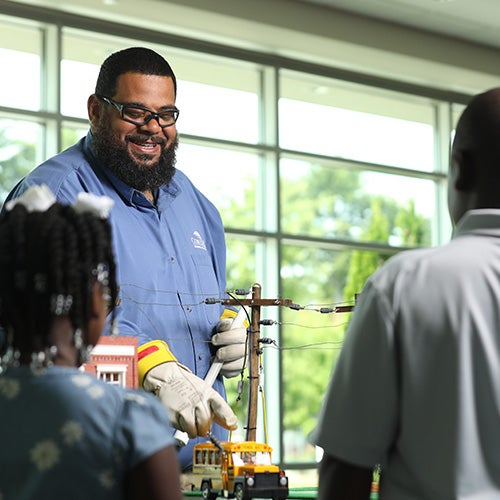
{"type": "Point", "coordinates": [464, 173]}
{"type": "Point", "coordinates": [94, 109]}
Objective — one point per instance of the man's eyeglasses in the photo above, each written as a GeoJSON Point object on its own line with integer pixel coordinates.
{"type": "Point", "coordinates": [140, 115]}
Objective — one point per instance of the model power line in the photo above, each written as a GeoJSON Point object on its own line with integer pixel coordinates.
{"type": "Point", "coordinates": [240, 469]}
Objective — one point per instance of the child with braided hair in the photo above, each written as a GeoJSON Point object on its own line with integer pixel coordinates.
{"type": "Point", "coordinates": [64, 433]}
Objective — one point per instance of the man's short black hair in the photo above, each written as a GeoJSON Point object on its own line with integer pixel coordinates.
{"type": "Point", "coordinates": [132, 60]}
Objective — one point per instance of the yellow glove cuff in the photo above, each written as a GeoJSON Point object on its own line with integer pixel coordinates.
{"type": "Point", "coordinates": [230, 313]}
{"type": "Point", "coordinates": [152, 354]}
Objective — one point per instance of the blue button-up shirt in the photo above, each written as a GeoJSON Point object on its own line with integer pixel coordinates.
{"type": "Point", "coordinates": [170, 257]}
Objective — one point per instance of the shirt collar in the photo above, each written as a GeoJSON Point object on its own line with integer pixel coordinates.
{"type": "Point", "coordinates": [484, 221]}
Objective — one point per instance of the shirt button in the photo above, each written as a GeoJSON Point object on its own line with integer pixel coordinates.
{"type": "Point", "coordinates": [172, 259]}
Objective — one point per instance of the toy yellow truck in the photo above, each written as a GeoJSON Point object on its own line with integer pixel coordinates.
{"type": "Point", "coordinates": [240, 470]}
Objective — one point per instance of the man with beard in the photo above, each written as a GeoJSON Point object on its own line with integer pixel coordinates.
{"type": "Point", "coordinates": [169, 240]}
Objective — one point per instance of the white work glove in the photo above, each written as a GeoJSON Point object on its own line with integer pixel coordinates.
{"type": "Point", "coordinates": [191, 403]}
{"type": "Point", "coordinates": [231, 344]}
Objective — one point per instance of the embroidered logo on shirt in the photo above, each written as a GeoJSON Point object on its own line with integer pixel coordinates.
{"type": "Point", "coordinates": [198, 241]}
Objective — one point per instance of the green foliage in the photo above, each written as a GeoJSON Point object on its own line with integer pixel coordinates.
{"type": "Point", "coordinates": [414, 229]}
{"type": "Point", "coordinates": [17, 158]}
{"type": "Point", "coordinates": [70, 136]}
{"type": "Point", "coordinates": [332, 203]}
{"type": "Point", "coordinates": [363, 263]}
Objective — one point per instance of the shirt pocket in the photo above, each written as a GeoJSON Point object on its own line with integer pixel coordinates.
{"type": "Point", "coordinates": [207, 284]}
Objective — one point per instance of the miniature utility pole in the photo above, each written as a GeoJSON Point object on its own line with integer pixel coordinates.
{"type": "Point", "coordinates": [255, 302]}
{"type": "Point", "coordinates": [255, 351]}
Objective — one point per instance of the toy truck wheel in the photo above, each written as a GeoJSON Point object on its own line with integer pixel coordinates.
{"type": "Point", "coordinates": [239, 492]}
{"type": "Point", "coordinates": [206, 494]}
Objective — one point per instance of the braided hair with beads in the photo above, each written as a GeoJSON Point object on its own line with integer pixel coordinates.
{"type": "Point", "coordinates": [49, 262]}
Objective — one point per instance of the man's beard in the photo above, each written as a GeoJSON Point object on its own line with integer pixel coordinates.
{"type": "Point", "coordinates": [114, 155]}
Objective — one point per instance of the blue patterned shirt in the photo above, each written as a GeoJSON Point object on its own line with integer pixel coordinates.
{"type": "Point", "coordinates": [66, 434]}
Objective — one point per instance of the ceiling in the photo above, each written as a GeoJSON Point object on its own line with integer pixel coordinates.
{"type": "Point", "coordinates": [472, 20]}
{"type": "Point", "coordinates": [361, 36]}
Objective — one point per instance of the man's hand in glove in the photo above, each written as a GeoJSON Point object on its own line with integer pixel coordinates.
{"type": "Point", "coordinates": [191, 403]}
{"type": "Point", "coordinates": [231, 344]}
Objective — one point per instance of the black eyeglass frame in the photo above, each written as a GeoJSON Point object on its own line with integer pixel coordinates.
{"type": "Point", "coordinates": [152, 114]}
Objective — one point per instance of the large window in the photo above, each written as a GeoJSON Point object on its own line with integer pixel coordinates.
{"type": "Point", "coordinates": [334, 118]}
{"type": "Point", "coordinates": [339, 200]}
{"type": "Point", "coordinates": [21, 49]}
{"type": "Point", "coordinates": [318, 181]}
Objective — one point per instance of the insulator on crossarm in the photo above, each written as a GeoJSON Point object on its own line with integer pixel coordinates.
{"type": "Point", "coordinates": [267, 322]}
{"type": "Point", "coordinates": [325, 310]}
{"type": "Point", "coordinates": [212, 300]}
{"type": "Point", "coordinates": [296, 307]}
{"type": "Point", "coordinates": [266, 340]}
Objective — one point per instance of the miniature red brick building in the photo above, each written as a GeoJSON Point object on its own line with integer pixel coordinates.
{"type": "Point", "coordinates": [114, 359]}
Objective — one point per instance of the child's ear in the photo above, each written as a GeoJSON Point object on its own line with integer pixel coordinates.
{"type": "Point", "coordinates": [98, 313]}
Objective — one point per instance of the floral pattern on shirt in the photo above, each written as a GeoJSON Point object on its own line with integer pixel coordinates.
{"type": "Point", "coordinates": [138, 398]}
{"type": "Point", "coordinates": [83, 422]}
{"type": "Point", "coordinates": [45, 454]}
{"type": "Point", "coordinates": [95, 392]}
{"type": "Point", "coordinates": [72, 432]}
{"type": "Point", "coordinates": [9, 388]}
{"type": "Point", "coordinates": [81, 380]}
{"type": "Point", "coordinates": [107, 479]}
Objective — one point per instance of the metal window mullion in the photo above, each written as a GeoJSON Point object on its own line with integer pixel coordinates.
{"type": "Point", "coordinates": [51, 88]}
{"type": "Point", "coordinates": [441, 225]}
{"type": "Point", "coordinates": [267, 249]}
